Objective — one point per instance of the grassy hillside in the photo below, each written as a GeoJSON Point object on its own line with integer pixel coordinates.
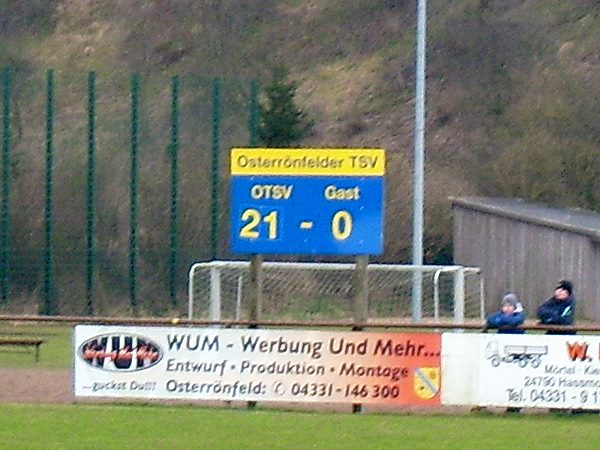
{"type": "Point", "coordinates": [512, 95]}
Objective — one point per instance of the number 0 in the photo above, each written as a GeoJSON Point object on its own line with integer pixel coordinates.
{"type": "Point", "coordinates": [341, 225]}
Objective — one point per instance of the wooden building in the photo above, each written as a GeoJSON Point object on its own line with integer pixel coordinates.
{"type": "Point", "coordinates": [527, 248]}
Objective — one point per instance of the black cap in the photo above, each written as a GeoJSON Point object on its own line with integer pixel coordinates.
{"type": "Point", "coordinates": [566, 285]}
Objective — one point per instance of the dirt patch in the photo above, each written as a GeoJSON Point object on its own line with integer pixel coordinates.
{"type": "Point", "coordinates": [35, 386]}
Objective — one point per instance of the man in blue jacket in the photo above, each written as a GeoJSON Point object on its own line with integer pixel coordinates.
{"type": "Point", "coordinates": [559, 309]}
{"type": "Point", "coordinates": [510, 316]}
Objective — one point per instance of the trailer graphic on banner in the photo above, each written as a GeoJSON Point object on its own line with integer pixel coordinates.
{"type": "Point", "coordinates": [522, 370]}
{"type": "Point", "coordinates": [257, 365]}
{"type": "Point", "coordinates": [520, 354]}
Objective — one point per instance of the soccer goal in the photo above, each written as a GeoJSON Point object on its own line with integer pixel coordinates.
{"type": "Point", "coordinates": [219, 290]}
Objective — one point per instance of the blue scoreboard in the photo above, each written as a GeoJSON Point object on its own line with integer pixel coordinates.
{"type": "Point", "coordinates": [307, 201]}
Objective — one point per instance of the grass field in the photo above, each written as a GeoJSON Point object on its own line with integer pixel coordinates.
{"type": "Point", "coordinates": [55, 352]}
{"type": "Point", "coordinates": [186, 427]}
{"type": "Point", "coordinates": [164, 426]}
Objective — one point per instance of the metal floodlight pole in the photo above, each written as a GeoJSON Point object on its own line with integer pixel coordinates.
{"type": "Point", "coordinates": [418, 194]}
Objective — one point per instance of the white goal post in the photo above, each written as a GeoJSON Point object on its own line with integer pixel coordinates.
{"type": "Point", "coordinates": [218, 290]}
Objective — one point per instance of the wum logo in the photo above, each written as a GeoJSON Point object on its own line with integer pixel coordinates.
{"type": "Point", "coordinates": [120, 352]}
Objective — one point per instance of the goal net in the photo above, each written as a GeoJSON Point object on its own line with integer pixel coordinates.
{"type": "Point", "coordinates": [220, 290]}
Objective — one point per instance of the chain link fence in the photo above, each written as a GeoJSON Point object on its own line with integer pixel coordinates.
{"type": "Point", "coordinates": [221, 290]}
{"type": "Point", "coordinates": [112, 185]}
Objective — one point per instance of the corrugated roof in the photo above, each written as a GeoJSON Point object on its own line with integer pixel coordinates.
{"type": "Point", "coordinates": [574, 220]}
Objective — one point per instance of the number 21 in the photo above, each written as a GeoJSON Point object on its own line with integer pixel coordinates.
{"type": "Point", "coordinates": [253, 218]}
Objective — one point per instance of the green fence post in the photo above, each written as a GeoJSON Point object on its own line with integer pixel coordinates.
{"type": "Point", "coordinates": [49, 306]}
{"type": "Point", "coordinates": [253, 121]}
{"type": "Point", "coordinates": [5, 226]}
{"type": "Point", "coordinates": [216, 126]}
{"type": "Point", "coordinates": [135, 90]}
{"type": "Point", "coordinates": [174, 192]}
{"type": "Point", "coordinates": [90, 190]}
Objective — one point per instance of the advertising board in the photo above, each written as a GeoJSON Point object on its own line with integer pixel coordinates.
{"type": "Point", "coordinates": [523, 370]}
{"type": "Point", "coordinates": [257, 365]}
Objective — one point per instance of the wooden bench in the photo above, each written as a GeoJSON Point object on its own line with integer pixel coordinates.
{"type": "Point", "coordinates": [23, 342]}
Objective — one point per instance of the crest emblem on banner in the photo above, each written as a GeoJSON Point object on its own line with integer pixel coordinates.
{"type": "Point", "coordinates": [426, 382]}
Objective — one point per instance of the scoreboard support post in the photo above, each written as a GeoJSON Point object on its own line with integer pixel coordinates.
{"type": "Point", "coordinates": [256, 289]}
{"type": "Point", "coordinates": [361, 306]}
{"type": "Point", "coordinates": [361, 303]}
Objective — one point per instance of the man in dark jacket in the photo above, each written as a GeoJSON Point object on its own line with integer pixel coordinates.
{"type": "Point", "coordinates": [559, 309]}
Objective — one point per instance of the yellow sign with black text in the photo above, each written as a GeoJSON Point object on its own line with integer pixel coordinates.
{"type": "Point", "coordinates": [362, 162]}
